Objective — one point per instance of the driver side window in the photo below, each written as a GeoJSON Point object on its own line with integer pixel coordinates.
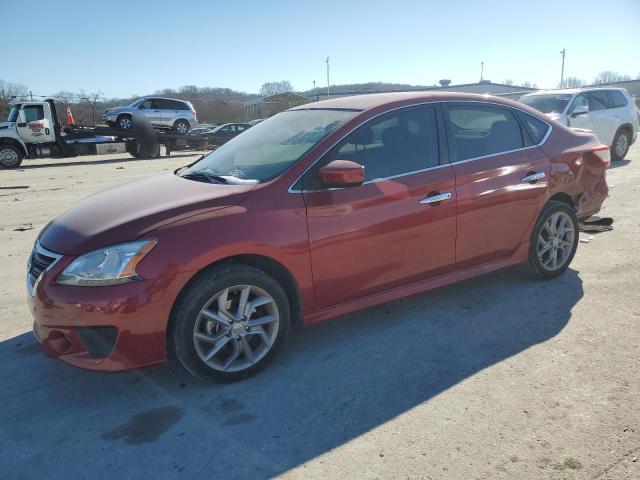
{"type": "Point", "coordinates": [581, 101]}
{"type": "Point", "coordinates": [146, 105]}
{"type": "Point", "coordinates": [395, 144]}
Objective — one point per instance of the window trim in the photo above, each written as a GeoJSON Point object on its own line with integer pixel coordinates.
{"type": "Point", "coordinates": [446, 150]}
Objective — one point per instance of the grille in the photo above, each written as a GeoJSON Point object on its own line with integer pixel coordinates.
{"type": "Point", "coordinates": [38, 263]}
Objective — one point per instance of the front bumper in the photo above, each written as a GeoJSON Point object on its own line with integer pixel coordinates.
{"type": "Point", "coordinates": [111, 329]}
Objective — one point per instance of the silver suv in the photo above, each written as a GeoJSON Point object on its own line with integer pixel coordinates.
{"type": "Point", "coordinates": [169, 113]}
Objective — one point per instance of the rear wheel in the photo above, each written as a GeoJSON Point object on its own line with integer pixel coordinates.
{"type": "Point", "coordinates": [10, 156]}
{"type": "Point", "coordinates": [230, 322]}
{"type": "Point", "coordinates": [621, 143]}
{"type": "Point", "coordinates": [554, 241]}
{"type": "Point", "coordinates": [181, 126]}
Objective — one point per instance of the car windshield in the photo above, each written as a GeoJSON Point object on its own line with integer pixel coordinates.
{"type": "Point", "coordinates": [552, 103]}
{"type": "Point", "coordinates": [136, 103]}
{"type": "Point", "coordinates": [266, 150]}
{"type": "Point", "coordinates": [13, 114]}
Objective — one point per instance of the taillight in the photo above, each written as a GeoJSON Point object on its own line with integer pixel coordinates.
{"type": "Point", "coordinates": [604, 154]}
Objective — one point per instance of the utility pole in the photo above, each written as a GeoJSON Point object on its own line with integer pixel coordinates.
{"type": "Point", "coordinates": [327, 61]}
{"type": "Point", "coordinates": [31, 95]}
{"type": "Point", "coordinates": [315, 92]}
{"type": "Point", "coordinates": [563, 51]}
{"type": "Point", "coordinates": [481, 71]}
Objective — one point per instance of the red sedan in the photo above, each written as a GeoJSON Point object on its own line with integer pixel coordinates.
{"type": "Point", "coordinates": [319, 211]}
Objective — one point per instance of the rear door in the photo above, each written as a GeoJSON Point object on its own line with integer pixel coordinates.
{"type": "Point", "coordinates": [501, 177]}
{"type": "Point", "coordinates": [388, 231]}
{"type": "Point", "coordinates": [602, 115]}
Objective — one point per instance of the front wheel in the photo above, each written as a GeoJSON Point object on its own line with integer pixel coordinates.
{"type": "Point", "coordinates": [620, 147]}
{"type": "Point", "coordinates": [554, 241]}
{"type": "Point", "coordinates": [10, 156]}
{"type": "Point", "coordinates": [124, 122]}
{"type": "Point", "coordinates": [230, 322]}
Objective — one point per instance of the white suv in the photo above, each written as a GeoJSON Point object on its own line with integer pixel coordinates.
{"type": "Point", "coordinates": [609, 112]}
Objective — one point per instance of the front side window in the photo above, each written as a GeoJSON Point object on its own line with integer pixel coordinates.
{"type": "Point", "coordinates": [581, 102]}
{"type": "Point", "coordinates": [395, 144]}
{"type": "Point", "coordinates": [547, 103]}
{"type": "Point", "coordinates": [269, 148]}
{"type": "Point", "coordinates": [146, 105]}
{"type": "Point", "coordinates": [33, 113]}
{"type": "Point", "coordinates": [479, 130]}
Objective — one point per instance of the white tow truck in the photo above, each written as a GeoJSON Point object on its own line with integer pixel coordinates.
{"type": "Point", "coordinates": [32, 130]}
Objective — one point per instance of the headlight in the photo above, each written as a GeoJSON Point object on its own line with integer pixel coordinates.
{"type": "Point", "coordinates": [108, 266]}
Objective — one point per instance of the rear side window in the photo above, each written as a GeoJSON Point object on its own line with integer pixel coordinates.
{"type": "Point", "coordinates": [479, 130]}
{"type": "Point", "coordinates": [535, 127]}
{"type": "Point", "coordinates": [617, 99]}
{"type": "Point", "coordinates": [177, 105]}
{"type": "Point", "coordinates": [598, 101]}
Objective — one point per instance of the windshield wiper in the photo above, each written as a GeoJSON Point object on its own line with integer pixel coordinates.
{"type": "Point", "coordinates": [203, 175]}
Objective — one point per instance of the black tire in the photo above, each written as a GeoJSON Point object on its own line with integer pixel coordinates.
{"type": "Point", "coordinates": [181, 126]}
{"type": "Point", "coordinates": [536, 266]}
{"type": "Point", "coordinates": [188, 308]}
{"type": "Point", "coordinates": [10, 156]}
{"type": "Point", "coordinates": [143, 151]}
{"type": "Point", "coordinates": [620, 146]}
{"type": "Point", "coordinates": [124, 122]}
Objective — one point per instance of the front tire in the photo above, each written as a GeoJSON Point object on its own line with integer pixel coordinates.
{"type": "Point", "coordinates": [10, 156]}
{"type": "Point", "coordinates": [230, 322]}
{"type": "Point", "coordinates": [621, 144]}
{"type": "Point", "coordinates": [124, 122]}
{"type": "Point", "coordinates": [554, 241]}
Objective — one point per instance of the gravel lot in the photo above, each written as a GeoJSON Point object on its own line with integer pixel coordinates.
{"type": "Point", "coordinates": [497, 377]}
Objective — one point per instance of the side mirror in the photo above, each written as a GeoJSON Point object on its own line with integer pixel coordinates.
{"type": "Point", "coordinates": [579, 110]}
{"type": "Point", "coordinates": [342, 173]}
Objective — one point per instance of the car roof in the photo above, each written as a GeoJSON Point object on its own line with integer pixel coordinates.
{"type": "Point", "coordinates": [373, 100]}
{"type": "Point", "coordinates": [572, 91]}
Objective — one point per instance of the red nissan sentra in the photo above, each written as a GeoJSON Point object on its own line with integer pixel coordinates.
{"type": "Point", "coordinates": [319, 211]}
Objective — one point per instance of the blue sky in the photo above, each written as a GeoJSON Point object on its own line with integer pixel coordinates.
{"type": "Point", "coordinates": [137, 47]}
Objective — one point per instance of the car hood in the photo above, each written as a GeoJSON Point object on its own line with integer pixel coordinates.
{"type": "Point", "coordinates": [128, 211]}
{"type": "Point", "coordinates": [115, 110]}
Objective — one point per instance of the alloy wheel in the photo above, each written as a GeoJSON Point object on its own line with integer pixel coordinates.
{"type": "Point", "coordinates": [181, 127]}
{"type": "Point", "coordinates": [125, 123]}
{"type": "Point", "coordinates": [556, 241]}
{"type": "Point", "coordinates": [621, 145]}
{"type": "Point", "coordinates": [236, 328]}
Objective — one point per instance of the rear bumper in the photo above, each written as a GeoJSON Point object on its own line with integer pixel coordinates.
{"type": "Point", "coordinates": [107, 329]}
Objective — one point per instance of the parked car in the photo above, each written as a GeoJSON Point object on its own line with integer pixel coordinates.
{"type": "Point", "coordinates": [256, 121]}
{"type": "Point", "coordinates": [223, 133]}
{"type": "Point", "coordinates": [168, 113]}
{"type": "Point", "coordinates": [319, 211]}
{"type": "Point", "coordinates": [609, 112]}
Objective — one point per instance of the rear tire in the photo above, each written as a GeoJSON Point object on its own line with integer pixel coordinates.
{"type": "Point", "coordinates": [10, 156]}
{"type": "Point", "coordinates": [213, 337]}
{"type": "Point", "coordinates": [620, 146]}
{"type": "Point", "coordinates": [554, 241]}
{"type": "Point", "coordinates": [181, 126]}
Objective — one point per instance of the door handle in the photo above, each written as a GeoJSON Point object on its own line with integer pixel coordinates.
{"type": "Point", "coordinates": [437, 198]}
{"type": "Point", "coordinates": [533, 177]}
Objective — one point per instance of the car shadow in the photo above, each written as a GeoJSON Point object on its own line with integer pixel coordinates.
{"type": "Point", "coordinates": [332, 383]}
{"type": "Point", "coordinates": [619, 163]}
{"type": "Point", "coordinates": [31, 166]}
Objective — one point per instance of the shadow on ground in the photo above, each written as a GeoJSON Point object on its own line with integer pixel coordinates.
{"type": "Point", "coordinates": [332, 383]}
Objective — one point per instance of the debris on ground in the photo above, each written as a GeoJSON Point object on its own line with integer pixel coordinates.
{"type": "Point", "coordinates": [596, 224]}
{"type": "Point", "coordinates": [24, 227]}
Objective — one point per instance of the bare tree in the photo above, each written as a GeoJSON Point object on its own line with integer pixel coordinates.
{"type": "Point", "coordinates": [92, 98]}
{"type": "Point", "coordinates": [507, 82]}
{"type": "Point", "coordinates": [610, 77]}
{"type": "Point", "coordinates": [571, 82]}
{"type": "Point", "coordinates": [8, 93]}
{"type": "Point", "coordinates": [273, 88]}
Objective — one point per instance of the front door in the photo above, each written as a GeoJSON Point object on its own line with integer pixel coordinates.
{"type": "Point", "coordinates": [391, 230]}
{"type": "Point", "coordinates": [34, 123]}
{"type": "Point", "coordinates": [501, 177]}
